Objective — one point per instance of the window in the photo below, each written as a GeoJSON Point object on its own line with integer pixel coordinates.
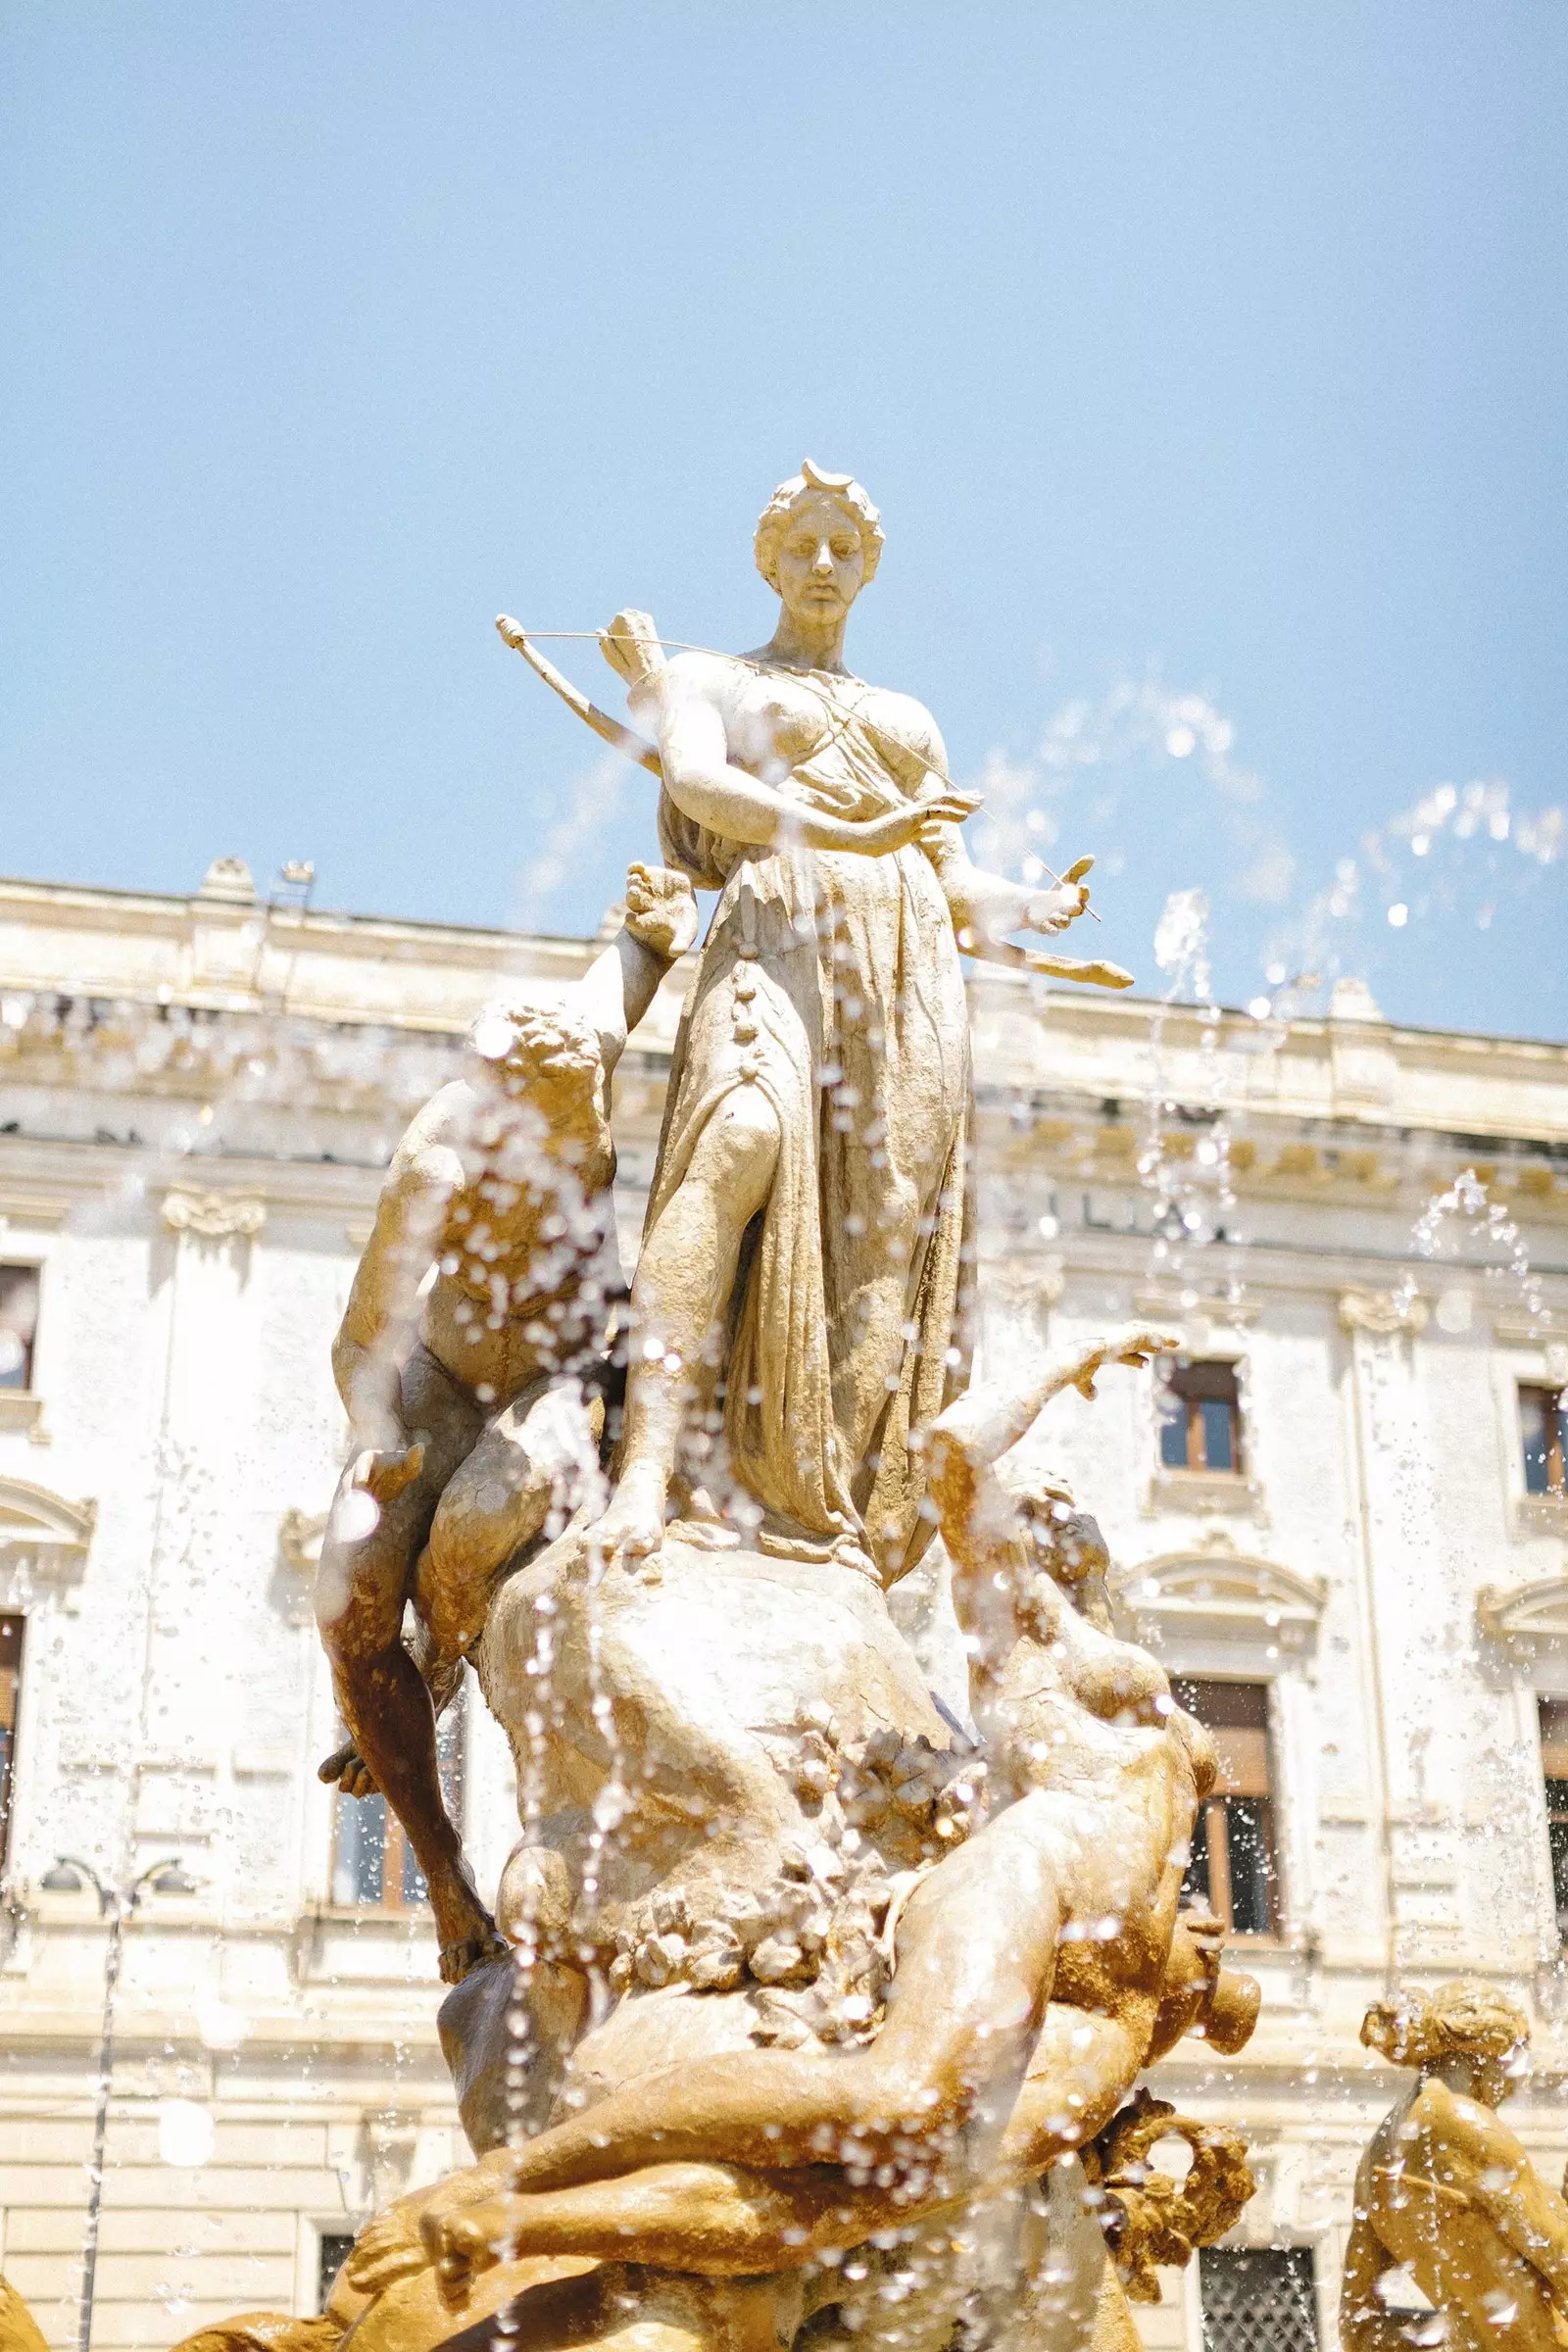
{"type": "Point", "coordinates": [1232, 1868]}
{"type": "Point", "coordinates": [1257, 2299]}
{"type": "Point", "coordinates": [18, 1325]}
{"type": "Point", "coordinates": [332, 2249]}
{"type": "Point", "coordinates": [1543, 1426]}
{"type": "Point", "coordinates": [10, 1691]}
{"type": "Point", "coordinates": [1200, 1418]}
{"type": "Point", "coordinates": [373, 1865]}
{"type": "Point", "coordinates": [1554, 1771]}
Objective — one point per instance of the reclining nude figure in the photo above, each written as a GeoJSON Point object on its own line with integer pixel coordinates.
{"type": "Point", "coordinates": [1015, 2022]}
{"type": "Point", "coordinates": [1446, 2192]}
{"type": "Point", "coordinates": [822, 1086]}
{"type": "Point", "coordinates": [481, 1301]}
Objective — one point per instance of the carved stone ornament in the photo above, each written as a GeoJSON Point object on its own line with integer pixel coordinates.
{"type": "Point", "coordinates": [43, 1532]}
{"type": "Point", "coordinates": [1226, 1594]}
{"type": "Point", "coordinates": [1384, 1312]}
{"type": "Point", "coordinates": [1148, 2216]}
{"type": "Point", "coordinates": [213, 1216]}
{"type": "Point", "coordinates": [1527, 1617]}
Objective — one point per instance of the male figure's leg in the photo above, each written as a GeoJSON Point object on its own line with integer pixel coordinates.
{"type": "Point", "coordinates": [361, 1592]}
{"type": "Point", "coordinates": [530, 1468]}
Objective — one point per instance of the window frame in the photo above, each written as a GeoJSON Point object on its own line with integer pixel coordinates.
{"type": "Point", "coordinates": [1196, 1462]}
{"type": "Point", "coordinates": [1553, 1400]}
{"type": "Point", "coordinates": [1215, 1821]}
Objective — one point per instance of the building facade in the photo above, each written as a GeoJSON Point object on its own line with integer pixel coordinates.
{"type": "Point", "coordinates": [1338, 1516]}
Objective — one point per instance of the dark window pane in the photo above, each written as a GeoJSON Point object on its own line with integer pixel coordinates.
{"type": "Point", "coordinates": [1220, 1435]}
{"type": "Point", "coordinates": [1258, 2299]}
{"type": "Point", "coordinates": [1251, 1860]}
{"type": "Point", "coordinates": [1173, 1432]}
{"type": "Point", "coordinates": [334, 2253]}
{"type": "Point", "coordinates": [360, 1875]}
{"type": "Point", "coordinates": [1532, 1424]}
{"type": "Point", "coordinates": [19, 1324]}
{"type": "Point", "coordinates": [1195, 1885]}
{"type": "Point", "coordinates": [1557, 1833]}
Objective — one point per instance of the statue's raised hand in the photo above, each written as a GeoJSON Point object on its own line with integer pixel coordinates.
{"type": "Point", "coordinates": [385, 1470]}
{"type": "Point", "coordinates": [660, 909]}
{"type": "Point", "coordinates": [986, 908]}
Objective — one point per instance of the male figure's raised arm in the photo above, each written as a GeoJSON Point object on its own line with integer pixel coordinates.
{"type": "Point", "coordinates": [620, 984]}
{"type": "Point", "coordinates": [382, 1312]}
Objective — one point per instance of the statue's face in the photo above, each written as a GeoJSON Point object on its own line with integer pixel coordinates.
{"type": "Point", "coordinates": [821, 564]}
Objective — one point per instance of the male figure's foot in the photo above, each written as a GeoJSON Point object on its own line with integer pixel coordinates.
{"type": "Point", "coordinates": [347, 1768]}
{"type": "Point", "coordinates": [633, 1525]}
{"type": "Point", "coordinates": [467, 1932]}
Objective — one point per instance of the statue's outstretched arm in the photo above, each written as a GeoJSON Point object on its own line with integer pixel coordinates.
{"type": "Point", "coordinates": [979, 1427]}
{"type": "Point", "coordinates": [984, 906]}
{"type": "Point", "coordinates": [621, 982]}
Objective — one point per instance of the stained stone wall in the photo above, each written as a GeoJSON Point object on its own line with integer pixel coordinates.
{"type": "Point", "coordinates": [197, 1097]}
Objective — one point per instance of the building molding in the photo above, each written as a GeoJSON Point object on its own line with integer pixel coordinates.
{"type": "Point", "coordinates": [1384, 1312]}
{"type": "Point", "coordinates": [41, 1531]}
{"type": "Point", "coordinates": [1525, 1618]}
{"type": "Point", "coordinates": [213, 1216]}
{"type": "Point", "coordinates": [1211, 1591]}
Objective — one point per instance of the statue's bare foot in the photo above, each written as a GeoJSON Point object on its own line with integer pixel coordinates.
{"type": "Point", "coordinates": [346, 1767]}
{"type": "Point", "coordinates": [633, 1526]}
{"type": "Point", "coordinates": [467, 1932]}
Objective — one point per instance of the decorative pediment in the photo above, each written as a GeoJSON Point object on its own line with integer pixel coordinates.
{"type": "Point", "coordinates": [1526, 1616]}
{"type": "Point", "coordinates": [41, 1531]}
{"type": "Point", "coordinates": [1218, 1592]}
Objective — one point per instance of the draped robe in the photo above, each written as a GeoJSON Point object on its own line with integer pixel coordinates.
{"type": "Point", "coordinates": [831, 982]}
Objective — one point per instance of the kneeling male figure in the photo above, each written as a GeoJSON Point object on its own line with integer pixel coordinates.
{"type": "Point", "coordinates": [479, 1309]}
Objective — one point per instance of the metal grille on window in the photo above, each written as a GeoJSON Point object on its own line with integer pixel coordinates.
{"type": "Point", "coordinates": [374, 1864]}
{"type": "Point", "coordinates": [1233, 1867]}
{"type": "Point", "coordinates": [18, 1325]}
{"type": "Point", "coordinates": [1257, 2299]}
{"type": "Point", "coordinates": [1555, 1770]}
{"type": "Point", "coordinates": [1200, 1418]}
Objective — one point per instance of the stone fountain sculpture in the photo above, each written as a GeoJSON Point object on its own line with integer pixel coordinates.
{"type": "Point", "coordinates": [811, 1995]}
{"type": "Point", "coordinates": [1446, 2193]}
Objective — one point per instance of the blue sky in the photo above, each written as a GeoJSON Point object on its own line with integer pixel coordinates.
{"type": "Point", "coordinates": [1207, 364]}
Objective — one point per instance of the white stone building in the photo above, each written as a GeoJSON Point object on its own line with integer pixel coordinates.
{"type": "Point", "coordinates": [1344, 1522]}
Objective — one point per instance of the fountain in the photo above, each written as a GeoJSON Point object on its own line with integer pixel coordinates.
{"type": "Point", "coordinates": [813, 1995]}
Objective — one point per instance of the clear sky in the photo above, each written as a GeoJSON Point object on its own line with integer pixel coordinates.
{"type": "Point", "coordinates": [1208, 364]}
